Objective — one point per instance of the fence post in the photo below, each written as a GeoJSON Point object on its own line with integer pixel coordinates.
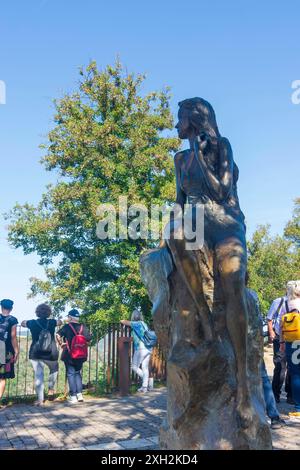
{"type": "Point", "coordinates": [113, 357]}
{"type": "Point", "coordinates": [90, 362]}
{"type": "Point", "coordinates": [108, 370]}
{"type": "Point", "coordinates": [124, 368]}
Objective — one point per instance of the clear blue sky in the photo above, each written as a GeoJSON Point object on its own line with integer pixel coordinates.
{"type": "Point", "coordinates": [242, 56]}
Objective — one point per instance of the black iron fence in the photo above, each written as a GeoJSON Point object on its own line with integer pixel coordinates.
{"type": "Point", "coordinates": [100, 372]}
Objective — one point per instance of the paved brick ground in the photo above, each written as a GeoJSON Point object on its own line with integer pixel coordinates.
{"type": "Point", "coordinates": [125, 423]}
{"type": "Point", "coordinates": [97, 422]}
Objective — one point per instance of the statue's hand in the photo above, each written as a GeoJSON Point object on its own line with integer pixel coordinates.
{"type": "Point", "coordinates": [202, 142]}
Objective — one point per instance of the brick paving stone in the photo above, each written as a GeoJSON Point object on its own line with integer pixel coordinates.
{"type": "Point", "coordinates": [109, 446]}
{"type": "Point", "coordinates": [30, 443]}
{"type": "Point", "coordinates": [4, 443]}
{"type": "Point", "coordinates": [154, 440]}
{"type": "Point", "coordinates": [16, 442]}
{"type": "Point", "coordinates": [134, 444]}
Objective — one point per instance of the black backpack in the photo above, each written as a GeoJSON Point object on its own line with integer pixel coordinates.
{"type": "Point", "coordinates": [4, 329]}
{"type": "Point", "coordinates": [3, 337]}
{"type": "Point", "coordinates": [43, 346]}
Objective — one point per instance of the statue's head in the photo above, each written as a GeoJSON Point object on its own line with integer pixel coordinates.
{"type": "Point", "coordinates": [196, 116]}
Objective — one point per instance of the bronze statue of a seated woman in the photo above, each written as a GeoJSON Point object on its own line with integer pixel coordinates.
{"type": "Point", "coordinates": [205, 320]}
{"type": "Point", "coordinates": [207, 174]}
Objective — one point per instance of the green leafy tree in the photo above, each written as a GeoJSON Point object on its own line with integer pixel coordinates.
{"type": "Point", "coordinates": [108, 141]}
{"type": "Point", "coordinates": [292, 230]}
{"type": "Point", "coordinates": [272, 262]}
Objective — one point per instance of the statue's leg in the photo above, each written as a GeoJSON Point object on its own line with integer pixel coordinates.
{"type": "Point", "coordinates": [232, 264]}
{"type": "Point", "coordinates": [186, 263]}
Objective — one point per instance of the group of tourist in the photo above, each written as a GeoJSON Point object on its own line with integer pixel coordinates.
{"type": "Point", "coordinates": [284, 310]}
{"type": "Point", "coordinates": [283, 320]}
{"type": "Point", "coordinates": [72, 338]}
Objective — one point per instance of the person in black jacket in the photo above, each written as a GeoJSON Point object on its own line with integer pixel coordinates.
{"type": "Point", "coordinates": [43, 350]}
{"type": "Point", "coordinates": [73, 366]}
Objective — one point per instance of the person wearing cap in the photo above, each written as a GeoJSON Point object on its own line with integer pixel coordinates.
{"type": "Point", "coordinates": [8, 337]}
{"type": "Point", "coordinates": [73, 366]}
{"type": "Point", "coordinates": [291, 349]}
{"type": "Point", "coordinates": [39, 359]}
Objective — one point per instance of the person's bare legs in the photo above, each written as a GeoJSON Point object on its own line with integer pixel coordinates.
{"type": "Point", "coordinates": [232, 263]}
{"type": "Point", "coordinates": [187, 266]}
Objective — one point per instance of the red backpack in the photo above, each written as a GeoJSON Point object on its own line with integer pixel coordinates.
{"type": "Point", "coordinates": [79, 344]}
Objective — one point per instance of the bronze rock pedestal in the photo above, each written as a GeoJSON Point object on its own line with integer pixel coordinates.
{"type": "Point", "coordinates": [201, 376]}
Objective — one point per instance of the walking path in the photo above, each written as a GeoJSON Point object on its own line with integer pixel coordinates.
{"type": "Point", "coordinates": [130, 422]}
{"type": "Point", "coordinates": [121, 423]}
{"type": "Point", "coordinates": [288, 437]}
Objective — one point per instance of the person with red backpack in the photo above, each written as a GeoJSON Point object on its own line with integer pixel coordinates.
{"type": "Point", "coordinates": [73, 338]}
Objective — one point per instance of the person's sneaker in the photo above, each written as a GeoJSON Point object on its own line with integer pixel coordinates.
{"type": "Point", "coordinates": [142, 390]}
{"type": "Point", "coordinates": [80, 397]}
{"type": "Point", "coordinates": [51, 395]}
{"type": "Point", "coordinates": [72, 399]}
{"type": "Point", "coordinates": [295, 414]}
{"type": "Point", "coordinates": [38, 403]}
{"type": "Point", "coordinates": [277, 423]}
{"type": "Point", "coordinates": [282, 421]}
{"type": "Point", "coordinates": [150, 384]}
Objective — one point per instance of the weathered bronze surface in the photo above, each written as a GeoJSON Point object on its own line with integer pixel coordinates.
{"type": "Point", "coordinates": [202, 313]}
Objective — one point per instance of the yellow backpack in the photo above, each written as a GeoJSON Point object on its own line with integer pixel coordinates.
{"type": "Point", "coordinates": [290, 327]}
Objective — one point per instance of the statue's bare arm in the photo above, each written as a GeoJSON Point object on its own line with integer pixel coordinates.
{"type": "Point", "coordinates": [220, 185]}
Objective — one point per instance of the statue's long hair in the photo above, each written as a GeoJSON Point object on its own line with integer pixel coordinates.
{"type": "Point", "coordinates": [201, 116]}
